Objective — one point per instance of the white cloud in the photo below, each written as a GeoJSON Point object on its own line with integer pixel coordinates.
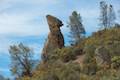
{"type": "Point", "coordinates": [41, 2]}
{"type": "Point", "coordinates": [18, 21]}
{"type": "Point", "coordinates": [23, 30]}
{"type": "Point", "coordinates": [21, 24]}
{"type": "Point", "coordinates": [30, 1]}
{"type": "Point", "coordinates": [89, 14]}
{"type": "Point", "coordinates": [10, 19]}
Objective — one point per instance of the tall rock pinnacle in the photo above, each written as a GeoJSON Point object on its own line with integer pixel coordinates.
{"type": "Point", "coordinates": [55, 38]}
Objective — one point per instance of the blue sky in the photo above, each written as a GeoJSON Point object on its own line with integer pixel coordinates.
{"type": "Point", "coordinates": [24, 21]}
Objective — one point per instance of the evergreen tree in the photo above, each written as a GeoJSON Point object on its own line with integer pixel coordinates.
{"type": "Point", "coordinates": [77, 30]}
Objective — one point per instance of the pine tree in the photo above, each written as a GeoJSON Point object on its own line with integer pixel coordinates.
{"type": "Point", "coordinates": [76, 28]}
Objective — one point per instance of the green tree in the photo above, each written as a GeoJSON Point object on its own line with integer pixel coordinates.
{"type": "Point", "coordinates": [22, 60]}
{"type": "Point", "coordinates": [77, 30]}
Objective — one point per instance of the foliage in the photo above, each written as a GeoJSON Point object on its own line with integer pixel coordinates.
{"type": "Point", "coordinates": [70, 71]}
{"type": "Point", "coordinates": [77, 30]}
{"type": "Point", "coordinates": [116, 62]}
{"type": "Point", "coordinates": [62, 66]}
{"type": "Point", "coordinates": [89, 64]}
{"type": "Point", "coordinates": [102, 75]}
{"type": "Point", "coordinates": [65, 54]}
{"type": "Point", "coordinates": [107, 15]}
{"type": "Point", "coordinates": [22, 60]}
{"type": "Point", "coordinates": [57, 71]}
{"type": "Point", "coordinates": [107, 38]}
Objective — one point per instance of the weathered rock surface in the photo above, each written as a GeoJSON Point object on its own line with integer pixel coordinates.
{"type": "Point", "coordinates": [102, 56]}
{"type": "Point", "coordinates": [55, 38]}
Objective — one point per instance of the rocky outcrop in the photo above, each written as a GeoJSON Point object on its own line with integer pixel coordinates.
{"type": "Point", "coordinates": [55, 38]}
{"type": "Point", "coordinates": [102, 56]}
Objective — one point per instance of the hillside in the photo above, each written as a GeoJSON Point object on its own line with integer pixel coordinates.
{"type": "Point", "coordinates": [95, 58]}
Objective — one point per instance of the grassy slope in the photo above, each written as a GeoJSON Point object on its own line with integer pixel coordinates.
{"type": "Point", "coordinates": [61, 63]}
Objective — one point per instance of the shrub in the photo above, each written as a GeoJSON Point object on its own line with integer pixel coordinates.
{"type": "Point", "coordinates": [116, 62]}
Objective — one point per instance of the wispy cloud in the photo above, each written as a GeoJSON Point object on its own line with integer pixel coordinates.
{"type": "Point", "coordinates": [16, 18]}
{"type": "Point", "coordinates": [21, 24]}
